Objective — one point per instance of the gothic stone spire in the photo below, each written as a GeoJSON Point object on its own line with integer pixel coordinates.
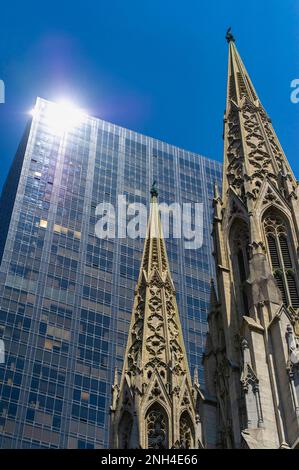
{"type": "Point", "coordinates": [156, 403]}
{"type": "Point", "coordinates": [252, 151]}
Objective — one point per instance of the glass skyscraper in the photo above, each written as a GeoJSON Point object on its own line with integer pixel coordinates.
{"type": "Point", "coordinates": [65, 294]}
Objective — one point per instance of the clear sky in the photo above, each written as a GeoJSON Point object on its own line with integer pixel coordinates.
{"type": "Point", "coordinates": [155, 66]}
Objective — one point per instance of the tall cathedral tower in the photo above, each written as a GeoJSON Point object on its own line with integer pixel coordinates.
{"type": "Point", "coordinates": [155, 405]}
{"type": "Point", "coordinates": [252, 354]}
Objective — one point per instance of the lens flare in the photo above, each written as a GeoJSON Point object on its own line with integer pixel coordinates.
{"type": "Point", "coordinates": [62, 116]}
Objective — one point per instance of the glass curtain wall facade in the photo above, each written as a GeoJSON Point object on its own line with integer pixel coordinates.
{"type": "Point", "coordinates": [66, 295]}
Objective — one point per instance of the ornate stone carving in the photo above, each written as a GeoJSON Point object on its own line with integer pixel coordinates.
{"type": "Point", "coordinates": [186, 399]}
{"type": "Point", "coordinates": [136, 332]}
{"type": "Point", "coordinates": [250, 386]}
{"type": "Point", "coordinates": [270, 197]}
{"type": "Point", "coordinates": [156, 392]}
{"type": "Point", "coordinates": [235, 155]}
{"type": "Point", "coordinates": [249, 379]}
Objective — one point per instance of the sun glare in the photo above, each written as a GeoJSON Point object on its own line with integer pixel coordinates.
{"type": "Point", "coordinates": [62, 116]}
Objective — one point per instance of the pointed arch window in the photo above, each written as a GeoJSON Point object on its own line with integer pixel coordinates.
{"type": "Point", "coordinates": [186, 431]}
{"type": "Point", "coordinates": [157, 428]}
{"type": "Point", "coordinates": [280, 254]}
{"type": "Point", "coordinates": [239, 240]}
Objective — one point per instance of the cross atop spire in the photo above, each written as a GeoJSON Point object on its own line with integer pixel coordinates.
{"type": "Point", "coordinates": [229, 36]}
{"type": "Point", "coordinates": [154, 189]}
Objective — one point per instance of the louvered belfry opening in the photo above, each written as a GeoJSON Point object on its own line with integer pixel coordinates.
{"type": "Point", "coordinates": [281, 258]}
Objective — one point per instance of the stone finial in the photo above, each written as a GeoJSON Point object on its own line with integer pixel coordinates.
{"type": "Point", "coordinates": [216, 191]}
{"type": "Point", "coordinates": [284, 172]}
{"type": "Point", "coordinates": [195, 377]}
{"type": "Point", "coordinates": [115, 391]}
{"type": "Point", "coordinates": [115, 377]}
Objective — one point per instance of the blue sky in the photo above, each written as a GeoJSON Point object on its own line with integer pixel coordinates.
{"type": "Point", "coordinates": [158, 67]}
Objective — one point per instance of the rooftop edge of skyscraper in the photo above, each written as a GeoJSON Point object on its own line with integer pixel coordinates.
{"type": "Point", "coordinates": [91, 117]}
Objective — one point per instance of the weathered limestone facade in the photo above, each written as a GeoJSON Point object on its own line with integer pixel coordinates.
{"type": "Point", "coordinates": [252, 353]}
{"type": "Point", "coordinates": [155, 405]}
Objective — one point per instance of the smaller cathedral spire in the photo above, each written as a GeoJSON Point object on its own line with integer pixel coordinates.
{"type": "Point", "coordinates": [155, 404]}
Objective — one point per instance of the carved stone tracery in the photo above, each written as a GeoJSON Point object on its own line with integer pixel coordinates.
{"type": "Point", "coordinates": [157, 428]}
